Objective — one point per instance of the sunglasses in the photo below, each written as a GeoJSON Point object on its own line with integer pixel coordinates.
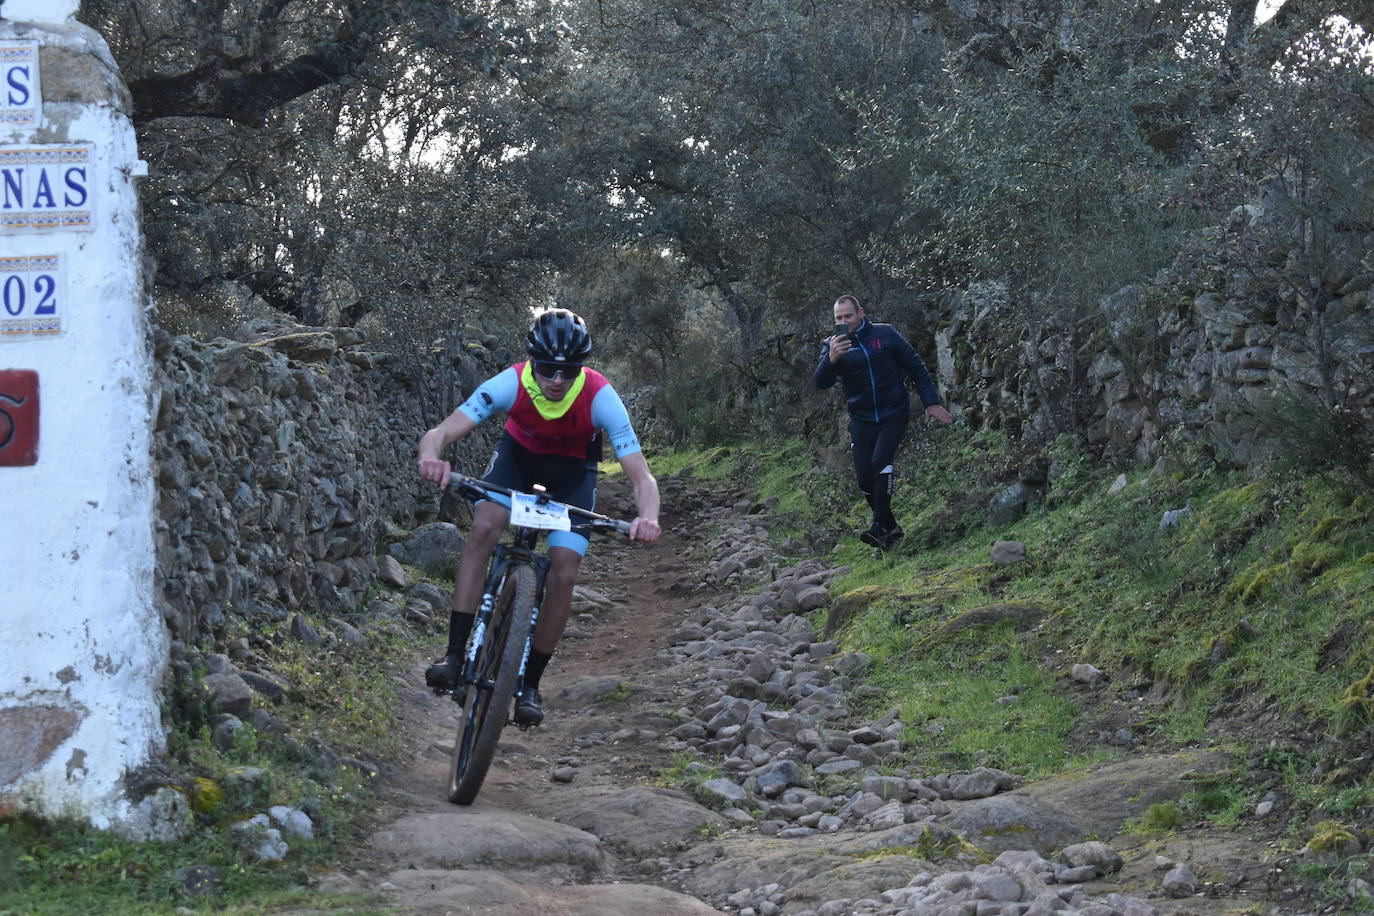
{"type": "Point", "coordinates": [551, 371]}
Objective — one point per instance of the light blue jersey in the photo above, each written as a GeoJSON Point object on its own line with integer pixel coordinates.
{"type": "Point", "coordinates": [608, 411]}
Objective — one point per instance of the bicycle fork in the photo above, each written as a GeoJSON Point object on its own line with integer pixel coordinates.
{"type": "Point", "coordinates": [501, 565]}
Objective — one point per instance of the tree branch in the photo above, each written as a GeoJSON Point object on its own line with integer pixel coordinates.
{"type": "Point", "coordinates": [222, 89]}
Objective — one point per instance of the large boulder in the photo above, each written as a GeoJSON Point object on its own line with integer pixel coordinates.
{"type": "Point", "coordinates": [474, 838]}
{"type": "Point", "coordinates": [433, 549]}
{"type": "Point", "coordinates": [641, 819]}
{"type": "Point", "coordinates": [1015, 821]}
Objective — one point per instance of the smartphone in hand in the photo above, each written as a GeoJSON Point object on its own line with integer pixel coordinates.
{"type": "Point", "coordinates": [841, 329]}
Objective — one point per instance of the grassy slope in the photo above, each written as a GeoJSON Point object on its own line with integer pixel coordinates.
{"type": "Point", "coordinates": [1249, 625]}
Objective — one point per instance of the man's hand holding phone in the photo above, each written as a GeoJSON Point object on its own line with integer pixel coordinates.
{"type": "Point", "coordinates": [841, 343]}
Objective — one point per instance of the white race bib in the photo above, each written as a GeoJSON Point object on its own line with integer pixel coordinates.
{"type": "Point", "coordinates": [527, 512]}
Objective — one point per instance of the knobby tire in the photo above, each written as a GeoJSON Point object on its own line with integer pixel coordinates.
{"type": "Point", "coordinates": [498, 662]}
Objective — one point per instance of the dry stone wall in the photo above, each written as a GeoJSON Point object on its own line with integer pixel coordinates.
{"type": "Point", "coordinates": [283, 460]}
{"type": "Point", "coordinates": [1191, 352]}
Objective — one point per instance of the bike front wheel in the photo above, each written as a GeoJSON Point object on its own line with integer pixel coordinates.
{"type": "Point", "coordinates": [488, 701]}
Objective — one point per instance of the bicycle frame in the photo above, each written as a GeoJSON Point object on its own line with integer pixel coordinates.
{"type": "Point", "coordinates": [498, 649]}
{"type": "Point", "coordinates": [503, 558]}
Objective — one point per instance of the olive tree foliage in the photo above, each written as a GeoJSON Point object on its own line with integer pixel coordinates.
{"type": "Point", "coordinates": [789, 151]}
{"type": "Point", "coordinates": [1041, 173]}
{"type": "Point", "coordinates": [1042, 162]}
{"type": "Point", "coordinates": [242, 60]}
{"type": "Point", "coordinates": [1080, 145]}
{"type": "Point", "coordinates": [720, 132]}
{"type": "Point", "coordinates": [331, 160]}
{"type": "Point", "coordinates": [714, 174]}
{"type": "Point", "coordinates": [665, 340]}
{"type": "Point", "coordinates": [637, 300]}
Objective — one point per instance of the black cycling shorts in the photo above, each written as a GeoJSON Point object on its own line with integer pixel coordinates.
{"type": "Point", "coordinates": [566, 479]}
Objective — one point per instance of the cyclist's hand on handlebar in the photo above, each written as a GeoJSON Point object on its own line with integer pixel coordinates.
{"type": "Point", "coordinates": [435, 470]}
{"type": "Point", "coordinates": [646, 530]}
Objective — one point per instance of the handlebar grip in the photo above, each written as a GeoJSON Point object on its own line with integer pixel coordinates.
{"type": "Point", "coordinates": [623, 527]}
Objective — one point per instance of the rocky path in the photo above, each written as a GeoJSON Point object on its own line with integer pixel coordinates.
{"type": "Point", "coordinates": [569, 820]}
{"type": "Point", "coordinates": [688, 658]}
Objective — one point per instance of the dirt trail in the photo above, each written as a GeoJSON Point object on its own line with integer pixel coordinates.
{"type": "Point", "coordinates": [571, 819]}
{"type": "Point", "coordinates": [451, 848]}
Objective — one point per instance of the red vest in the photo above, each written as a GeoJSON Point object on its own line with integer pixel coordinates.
{"type": "Point", "coordinates": [572, 434]}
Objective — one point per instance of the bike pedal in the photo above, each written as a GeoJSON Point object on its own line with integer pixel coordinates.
{"type": "Point", "coordinates": [458, 694]}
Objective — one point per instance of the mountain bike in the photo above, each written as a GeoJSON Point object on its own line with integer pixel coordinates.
{"type": "Point", "coordinates": [503, 631]}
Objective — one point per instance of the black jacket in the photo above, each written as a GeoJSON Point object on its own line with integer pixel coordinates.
{"type": "Point", "coordinates": [871, 373]}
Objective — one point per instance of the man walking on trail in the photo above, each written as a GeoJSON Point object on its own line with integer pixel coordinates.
{"type": "Point", "coordinates": [555, 412]}
{"type": "Point", "coordinates": [869, 360]}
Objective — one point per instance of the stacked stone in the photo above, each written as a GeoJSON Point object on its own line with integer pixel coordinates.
{"type": "Point", "coordinates": [742, 550]}
{"type": "Point", "coordinates": [775, 705]}
{"type": "Point", "coordinates": [776, 759]}
{"type": "Point", "coordinates": [281, 464]}
{"type": "Point", "coordinates": [1194, 349]}
{"type": "Point", "coordinates": [1016, 883]}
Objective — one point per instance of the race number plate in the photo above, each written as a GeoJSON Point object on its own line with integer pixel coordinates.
{"type": "Point", "coordinates": [527, 512]}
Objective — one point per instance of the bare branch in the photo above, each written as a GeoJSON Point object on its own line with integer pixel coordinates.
{"type": "Point", "coordinates": [227, 90]}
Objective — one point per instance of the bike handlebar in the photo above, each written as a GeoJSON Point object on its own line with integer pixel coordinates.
{"type": "Point", "coordinates": [474, 489]}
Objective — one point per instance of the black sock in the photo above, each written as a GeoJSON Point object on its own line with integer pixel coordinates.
{"type": "Point", "coordinates": [882, 501]}
{"type": "Point", "coordinates": [534, 668]}
{"type": "Point", "coordinates": [459, 628]}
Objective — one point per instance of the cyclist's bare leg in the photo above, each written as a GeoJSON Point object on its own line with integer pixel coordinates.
{"type": "Point", "coordinates": [488, 521]}
{"type": "Point", "coordinates": [558, 587]}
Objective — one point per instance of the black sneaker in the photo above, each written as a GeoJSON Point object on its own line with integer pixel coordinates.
{"type": "Point", "coordinates": [443, 674]}
{"type": "Point", "coordinates": [529, 709]}
{"type": "Point", "coordinates": [875, 536]}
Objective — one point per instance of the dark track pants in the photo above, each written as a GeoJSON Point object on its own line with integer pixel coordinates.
{"type": "Point", "coordinates": [874, 446]}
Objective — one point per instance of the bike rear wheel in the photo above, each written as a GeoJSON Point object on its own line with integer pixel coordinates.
{"type": "Point", "coordinates": [488, 701]}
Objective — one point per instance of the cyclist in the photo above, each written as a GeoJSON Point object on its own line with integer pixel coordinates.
{"type": "Point", "coordinates": [870, 360]}
{"type": "Point", "coordinates": [555, 412]}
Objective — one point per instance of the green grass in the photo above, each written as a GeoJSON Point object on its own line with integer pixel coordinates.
{"type": "Point", "coordinates": [1253, 618]}
{"type": "Point", "coordinates": [62, 869]}
{"type": "Point", "coordinates": [1256, 609]}
{"type": "Point", "coordinates": [1221, 804]}
{"type": "Point", "coordinates": [618, 694]}
{"type": "Point", "coordinates": [948, 694]}
{"type": "Point", "coordinates": [1158, 818]}
{"type": "Point", "coordinates": [708, 463]}
{"type": "Point", "coordinates": [686, 771]}
{"type": "Point", "coordinates": [342, 695]}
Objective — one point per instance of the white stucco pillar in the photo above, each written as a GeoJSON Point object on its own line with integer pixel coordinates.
{"type": "Point", "coordinates": [84, 648]}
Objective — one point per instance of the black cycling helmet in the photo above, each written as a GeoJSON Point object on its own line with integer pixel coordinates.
{"type": "Point", "coordinates": [558, 336]}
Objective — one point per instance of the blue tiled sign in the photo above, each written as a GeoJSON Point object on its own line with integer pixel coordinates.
{"type": "Point", "coordinates": [33, 296]}
{"type": "Point", "coordinates": [47, 187]}
{"type": "Point", "coordinates": [21, 98]}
